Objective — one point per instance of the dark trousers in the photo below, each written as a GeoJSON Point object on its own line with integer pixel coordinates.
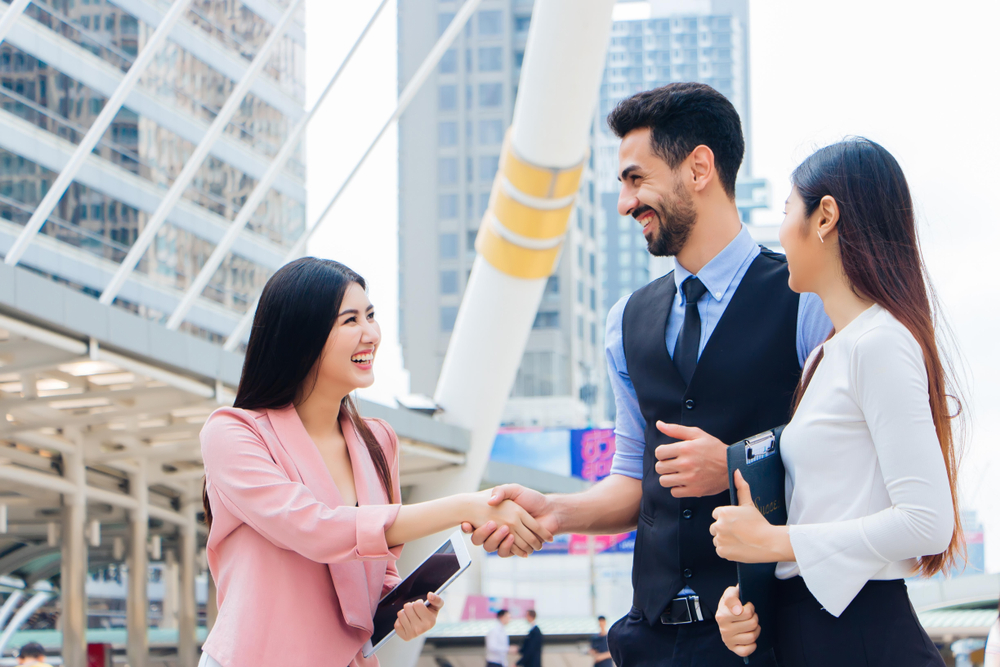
{"type": "Point", "coordinates": [878, 629]}
{"type": "Point", "coordinates": [634, 643]}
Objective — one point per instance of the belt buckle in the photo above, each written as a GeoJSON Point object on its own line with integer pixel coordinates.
{"type": "Point", "coordinates": [683, 611]}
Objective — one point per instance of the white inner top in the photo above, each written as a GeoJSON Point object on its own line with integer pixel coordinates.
{"type": "Point", "coordinates": [865, 480]}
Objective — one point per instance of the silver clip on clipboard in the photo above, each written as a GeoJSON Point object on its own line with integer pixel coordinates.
{"type": "Point", "coordinates": [759, 447]}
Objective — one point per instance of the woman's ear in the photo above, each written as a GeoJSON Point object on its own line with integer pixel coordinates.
{"type": "Point", "coordinates": [828, 215]}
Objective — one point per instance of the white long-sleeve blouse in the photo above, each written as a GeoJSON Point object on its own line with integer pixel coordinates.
{"type": "Point", "coordinates": [865, 479]}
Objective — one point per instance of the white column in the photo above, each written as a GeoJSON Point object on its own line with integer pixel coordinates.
{"type": "Point", "coordinates": [187, 622]}
{"type": "Point", "coordinates": [171, 591]}
{"type": "Point", "coordinates": [73, 578]}
{"type": "Point", "coordinates": [137, 602]}
{"type": "Point", "coordinates": [520, 239]}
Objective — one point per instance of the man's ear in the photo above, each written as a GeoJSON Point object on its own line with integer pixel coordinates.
{"type": "Point", "coordinates": [702, 167]}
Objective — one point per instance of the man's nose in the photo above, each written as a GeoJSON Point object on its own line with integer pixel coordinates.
{"type": "Point", "coordinates": [627, 202]}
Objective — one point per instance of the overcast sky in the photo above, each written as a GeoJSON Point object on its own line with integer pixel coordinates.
{"type": "Point", "coordinates": [919, 77]}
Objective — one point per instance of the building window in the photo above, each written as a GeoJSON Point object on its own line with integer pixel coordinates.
{"type": "Point", "coordinates": [488, 165]}
{"type": "Point", "coordinates": [447, 98]}
{"type": "Point", "coordinates": [490, 95]}
{"type": "Point", "coordinates": [536, 376]}
{"type": "Point", "coordinates": [579, 256]}
{"type": "Point", "coordinates": [484, 203]}
{"type": "Point", "coordinates": [490, 23]}
{"type": "Point", "coordinates": [447, 207]}
{"type": "Point", "coordinates": [552, 285]}
{"type": "Point", "coordinates": [448, 133]}
{"type": "Point", "coordinates": [521, 23]}
{"type": "Point", "coordinates": [546, 319]}
{"type": "Point", "coordinates": [593, 299]}
{"type": "Point", "coordinates": [449, 62]}
{"type": "Point", "coordinates": [470, 240]}
{"type": "Point", "coordinates": [518, 58]}
{"type": "Point", "coordinates": [579, 327]}
{"type": "Point", "coordinates": [447, 171]}
{"type": "Point", "coordinates": [448, 246]}
{"type": "Point", "coordinates": [593, 334]}
{"type": "Point", "coordinates": [491, 59]}
{"type": "Point", "coordinates": [490, 132]}
{"type": "Point", "coordinates": [593, 265]}
{"type": "Point", "coordinates": [579, 292]}
{"type": "Point", "coordinates": [579, 219]}
{"type": "Point", "coordinates": [448, 316]}
{"type": "Point", "coordinates": [449, 282]}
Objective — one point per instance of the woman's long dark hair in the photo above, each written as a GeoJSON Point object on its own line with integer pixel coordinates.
{"type": "Point", "coordinates": [882, 261]}
{"type": "Point", "coordinates": [298, 308]}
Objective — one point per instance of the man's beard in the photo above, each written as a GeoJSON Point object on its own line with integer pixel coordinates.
{"type": "Point", "coordinates": [675, 220]}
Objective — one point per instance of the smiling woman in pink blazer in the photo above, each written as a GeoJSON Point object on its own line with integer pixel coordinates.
{"type": "Point", "coordinates": [302, 494]}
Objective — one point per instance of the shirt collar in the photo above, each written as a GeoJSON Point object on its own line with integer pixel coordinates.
{"type": "Point", "coordinates": [721, 270]}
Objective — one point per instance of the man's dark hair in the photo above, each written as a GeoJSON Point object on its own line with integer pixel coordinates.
{"type": "Point", "coordinates": [681, 117]}
{"type": "Point", "coordinates": [32, 650]}
{"type": "Point", "coordinates": [601, 618]}
{"type": "Point", "coordinates": [531, 614]}
{"type": "Point", "coordinates": [501, 613]}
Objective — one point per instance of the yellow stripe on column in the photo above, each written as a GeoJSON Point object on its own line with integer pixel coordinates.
{"type": "Point", "coordinates": [546, 183]}
{"type": "Point", "coordinates": [515, 260]}
{"type": "Point", "coordinates": [526, 221]}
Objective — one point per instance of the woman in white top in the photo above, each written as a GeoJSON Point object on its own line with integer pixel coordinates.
{"type": "Point", "coordinates": [869, 456]}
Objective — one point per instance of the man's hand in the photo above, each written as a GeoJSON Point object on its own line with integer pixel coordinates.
{"type": "Point", "coordinates": [500, 540]}
{"type": "Point", "coordinates": [693, 467]}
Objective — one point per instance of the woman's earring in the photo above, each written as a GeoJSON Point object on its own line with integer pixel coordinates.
{"type": "Point", "coordinates": [820, 236]}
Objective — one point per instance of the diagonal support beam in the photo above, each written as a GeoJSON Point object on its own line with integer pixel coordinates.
{"type": "Point", "coordinates": [14, 11]}
{"type": "Point", "coordinates": [261, 190]}
{"type": "Point", "coordinates": [96, 131]}
{"type": "Point", "coordinates": [194, 163]}
{"type": "Point", "coordinates": [411, 90]}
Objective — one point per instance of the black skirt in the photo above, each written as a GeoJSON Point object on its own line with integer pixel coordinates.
{"type": "Point", "coordinates": [878, 629]}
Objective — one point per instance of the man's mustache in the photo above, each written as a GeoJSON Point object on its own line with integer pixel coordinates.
{"type": "Point", "coordinates": [641, 211]}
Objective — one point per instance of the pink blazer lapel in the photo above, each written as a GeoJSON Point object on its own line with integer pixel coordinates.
{"type": "Point", "coordinates": [350, 579]}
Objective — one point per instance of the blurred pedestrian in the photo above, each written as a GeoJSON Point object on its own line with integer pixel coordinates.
{"type": "Point", "coordinates": [599, 645]}
{"type": "Point", "coordinates": [993, 645]}
{"type": "Point", "coordinates": [497, 642]}
{"type": "Point", "coordinates": [531, 649]}
{"type": "Point", "coordinates": [32, 653]}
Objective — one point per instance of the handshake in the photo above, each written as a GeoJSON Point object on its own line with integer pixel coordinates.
{"type": "Point", "coordinates": [511, 520]}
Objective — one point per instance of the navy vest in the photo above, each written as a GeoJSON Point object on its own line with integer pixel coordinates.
{"type": "Point", "coordinates": [743, 385]}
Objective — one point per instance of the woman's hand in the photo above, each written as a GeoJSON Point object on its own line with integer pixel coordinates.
{"type": "Point", "coordinates": [416, 618]}
{"type": "Point", "coordinates": [738, 623]}
{"type": "Point", "coordinates": [742, 534]}
{"type": "Point", "coordinates": [529, 535]}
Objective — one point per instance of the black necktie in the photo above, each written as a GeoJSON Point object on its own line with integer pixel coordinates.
{"type": "Point", "coordinates": [686, 351]}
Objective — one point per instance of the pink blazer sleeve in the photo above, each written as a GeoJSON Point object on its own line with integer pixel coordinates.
{"type": "Point", "coordinates": [258, 492]}
{"type": "Point", "coordinates": [391, 448]}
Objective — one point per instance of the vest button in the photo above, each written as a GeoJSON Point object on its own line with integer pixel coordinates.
{"type": "Point", "coordinates": [687, 514]}
{"type": "Point", "coordinates": [688, 573]}
{"type": "Point", "coordinates": [689, 404]}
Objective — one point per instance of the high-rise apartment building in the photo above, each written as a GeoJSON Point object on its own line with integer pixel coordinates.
{"type": "Point", "coordinates": [59, 64]}
{"type": "Point", "coordinates": [449, 147]}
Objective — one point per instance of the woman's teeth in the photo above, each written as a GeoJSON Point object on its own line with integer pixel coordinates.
{"type": "Point", "coordinates": [366, 358]}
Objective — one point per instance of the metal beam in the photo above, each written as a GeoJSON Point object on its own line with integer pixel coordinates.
{"type": "Point", "coordinates": [261, 189]}
{"type": "Point", "coordinates": [14, 11]}
{"type": "Point", "coordinates": [411, 90]}
{"type": "Point", "coordinates": [22, 615]}
{"type": "Point", "coordinates": [96, 131]}
{"type": "Point", "coordinates": [194, 163]}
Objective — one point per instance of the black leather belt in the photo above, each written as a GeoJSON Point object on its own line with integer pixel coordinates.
{"type": "Point", "coordinates": [682, 610]}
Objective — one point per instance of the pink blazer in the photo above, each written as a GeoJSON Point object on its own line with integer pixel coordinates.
{"type": "Point", "coordinates": [298, 574]}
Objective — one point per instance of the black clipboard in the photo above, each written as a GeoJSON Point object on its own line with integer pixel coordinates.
{"type": "Point", "coordinates": [759, 460]}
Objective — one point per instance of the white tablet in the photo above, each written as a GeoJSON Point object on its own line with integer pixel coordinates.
{"type": "Point", "coordinates": [432, 576]}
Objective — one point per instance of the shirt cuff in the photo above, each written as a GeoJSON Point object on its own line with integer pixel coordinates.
{"type": "Point", "coordinates": [372, 522]}
{"type": "Point", "coordinates": [835, 560]}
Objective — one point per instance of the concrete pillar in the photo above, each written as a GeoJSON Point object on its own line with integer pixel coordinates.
{"type": "Point", "coordinates": [73, 578]}
{"type": "Point", "coordinates": [187, 620]}
{"type": "Point", "coordinates": [137, 603]}
{"type": "Point", "coordinates": [171, 591]}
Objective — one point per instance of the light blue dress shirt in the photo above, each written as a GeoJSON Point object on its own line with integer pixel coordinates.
{"type": "Point", "coordinates": [722, 275]}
